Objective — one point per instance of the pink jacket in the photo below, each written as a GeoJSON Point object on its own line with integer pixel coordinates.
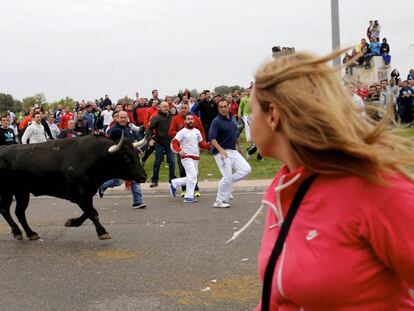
{"type": "Point", "coordinates": [350, 246]}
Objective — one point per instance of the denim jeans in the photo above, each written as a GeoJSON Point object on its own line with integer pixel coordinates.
{"type": "Point", "coordinates": [159, 152]}
{"type": "Point", "coordinates": [135, 189]}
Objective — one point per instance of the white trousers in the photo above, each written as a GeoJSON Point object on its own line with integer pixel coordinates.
{"type": "Point", "coordinates": [190, 181]}
{"type": "Point", "coordinates": [246, 120]}
{"type": "Point", "coordinates": [235, 162]}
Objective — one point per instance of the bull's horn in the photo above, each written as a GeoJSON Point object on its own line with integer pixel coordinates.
{"type": "Point", "coordinates": [140, 143]}
{"type": "Point", "coordinates": [116, 147]}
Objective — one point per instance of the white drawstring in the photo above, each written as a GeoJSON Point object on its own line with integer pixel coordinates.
{"type": "Point", "coordinates": [237, 233]}
{"type": "Point", "coordinates": [277, 189]}
{"type": "Point", "coordinates": [283, 186]}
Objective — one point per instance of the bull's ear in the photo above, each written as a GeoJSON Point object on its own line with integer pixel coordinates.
{"type": "Point", "coordinates": [116, 147]}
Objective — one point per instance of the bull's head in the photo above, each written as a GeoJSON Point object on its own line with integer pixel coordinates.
{"type": "Point", "coordinates": [125, 153]}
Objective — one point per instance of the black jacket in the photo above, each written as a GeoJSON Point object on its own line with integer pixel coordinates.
{"type": "Point", "coordinates": [7, 137]}
{"type": "Point", "coordinates": [158, 129]}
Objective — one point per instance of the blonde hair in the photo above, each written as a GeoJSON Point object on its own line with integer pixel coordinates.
{"type": "Point", "coordinates": [324, 128]}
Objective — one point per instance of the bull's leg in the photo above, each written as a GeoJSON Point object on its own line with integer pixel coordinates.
{"type": "Point", "coordinates": [22, 201]}
{"type": "Point", "coordinates": [87, 207]}
{"type": "Point", "coordinates": [76, 222]}
{"type": "Point", "coordinates": [5, 202]}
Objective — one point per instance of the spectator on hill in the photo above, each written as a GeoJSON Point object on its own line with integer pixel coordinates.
{"type": "Point", "coordinates": [375, 31]}
{"type": "Point", "coordinates": [363, 49]}
{"type": "Point", "coordinates": [385, 52]}
{"type": "Point", "coordinates": [369, 29]}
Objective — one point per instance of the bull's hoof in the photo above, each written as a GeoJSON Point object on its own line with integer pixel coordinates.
{"type": "Point", "coordinates": [18, 236]}
{"type": "Point", "coordinates": [104, 236]}
{"type": "Point", "coordinates": [33, 237]}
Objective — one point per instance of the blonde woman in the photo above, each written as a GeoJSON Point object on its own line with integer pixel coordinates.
{"type": "Point", "coordinates": [351, 243]}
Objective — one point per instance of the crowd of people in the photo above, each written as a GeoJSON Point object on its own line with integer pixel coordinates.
{"type": "Point", "coordinates": [394, 94]}
{"type": "Point", "coordinates": [174, 127]}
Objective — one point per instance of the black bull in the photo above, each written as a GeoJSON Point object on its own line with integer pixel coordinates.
{"type": "Point", "coordinates": [71, 169]}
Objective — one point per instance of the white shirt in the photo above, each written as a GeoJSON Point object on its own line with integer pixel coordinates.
{"type": "Point", "coordinates": [35, 133]}
{"type": "Point", "coordinates": [107, 116]}
{"type": "Point", "coordinates": [359, 103]}
{"type": "Point", "coordinates": [54, 129]}
{"type": "Point", "coordinates": [189, 139]}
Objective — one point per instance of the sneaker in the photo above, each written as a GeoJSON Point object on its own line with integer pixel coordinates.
{"type": "Point", "coordinates": [154, 184]}
{"type": "Point", "coordinates": [139, 205]}
{"type": "Point", "coordinates": [182, 194]}
{"type": "Point", "coordinates": [173, 190]}
{"type": "Point", "coordinates": [220, 204]}
{"type": "Point", "coordinates": [251, 150]}
{"type": "Point", "coordinates": [197, 194]}
{"type": "Point", "coordinates": [100, 192]}
{"type": "Point", "coordinates": [189, 200]}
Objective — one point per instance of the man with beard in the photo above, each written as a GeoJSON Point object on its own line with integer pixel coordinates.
{"type": "Point", "coordinates": [177, 124]}
{"type": "Point", "coordinates": [187, 143]}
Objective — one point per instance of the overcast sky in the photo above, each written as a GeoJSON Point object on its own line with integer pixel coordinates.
{"type": "Point", "coordinates": [87, 48]}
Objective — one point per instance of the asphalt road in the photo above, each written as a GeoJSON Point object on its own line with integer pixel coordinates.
{"type": "Point", "coordinates": [170, 256]}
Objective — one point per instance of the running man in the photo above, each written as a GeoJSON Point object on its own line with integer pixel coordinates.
{"type": "Point", "coordinates": [223, 136]}
{"type": "Point", "coordinates": [187, 143]}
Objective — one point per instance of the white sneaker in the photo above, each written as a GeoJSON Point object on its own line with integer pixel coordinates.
{"type": "Point", "coordinates": [220, 204]}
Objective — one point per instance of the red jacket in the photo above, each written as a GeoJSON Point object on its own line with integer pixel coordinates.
{"type": "Point", "coordinates": [350, 246]}
{"type": "Point", "coordinates": [178, 123]}
{"type": "Point", "coordinates": [64, 120]}
{"type": "Point", "coordinates": [150, 113]}
{"type": "Point", "coordinates": [131, 117]}
{"type": "Point", "coordinates": [140, 113]}
{"type": "Point", "coordinates": [234, 109]}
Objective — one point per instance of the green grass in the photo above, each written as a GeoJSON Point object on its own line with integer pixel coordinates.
{"type": "Point", "coordinates": [208, 170]}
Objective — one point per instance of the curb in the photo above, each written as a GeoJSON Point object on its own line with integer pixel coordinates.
{"type": "Point", "coordinates": [205, 187]}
